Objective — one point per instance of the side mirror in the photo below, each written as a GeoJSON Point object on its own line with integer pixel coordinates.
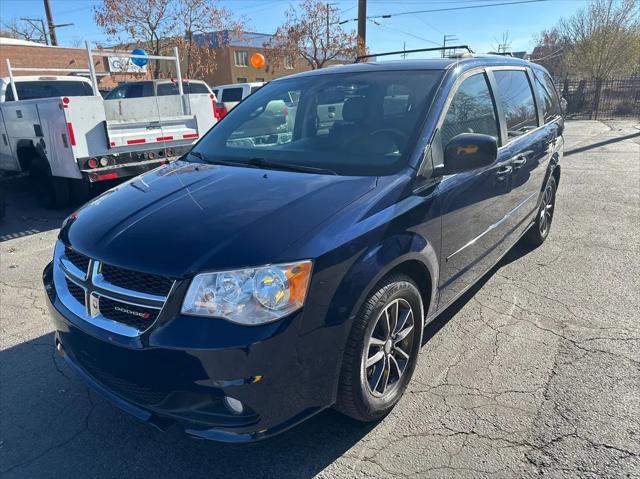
{"type": "Point", "coordinates": [469, 151]}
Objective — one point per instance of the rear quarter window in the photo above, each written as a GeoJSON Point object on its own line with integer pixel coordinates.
{"type": "Point", "coordinates": [195, 88]}
{"type": "Point", "coordinates": [518, 104]}
{"type": "Point", "coordinates": [30, 90]}
{"type": "Point", "coordinates": [232, 94]}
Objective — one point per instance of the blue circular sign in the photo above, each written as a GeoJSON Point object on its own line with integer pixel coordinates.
{"type": "Point", "coordinates": [139, 61]}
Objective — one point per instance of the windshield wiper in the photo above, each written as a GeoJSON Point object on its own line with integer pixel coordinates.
{"type": "Point", "coordinates": [276, 165]}
{"type": "Point", "coordinates": [213, 161]}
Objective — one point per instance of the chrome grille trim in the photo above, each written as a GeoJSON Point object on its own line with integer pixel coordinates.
{"type": "Point", "coordinates": [94, 285]}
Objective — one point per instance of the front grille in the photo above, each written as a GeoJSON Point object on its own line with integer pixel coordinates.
{"type": "Point", "coordinates": [137, 317]}
{"type": "Point", "coordinates": [80, 261]}
{"type": "Point", "coordinates": [136, 281]}
{"type": "Point", "coordinates": [131, 391]}
{"type": "Point", "coordinates": [76, 291]}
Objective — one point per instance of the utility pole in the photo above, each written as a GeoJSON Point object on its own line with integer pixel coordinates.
{"type": "Point", "coordinates": [445, 39]}
{"type": "Point", "coordinates": [52, 27]}
{"type": "Point", "coordinates": [362, 25]}
{"type": "Point", "coordinates": [328, 12]}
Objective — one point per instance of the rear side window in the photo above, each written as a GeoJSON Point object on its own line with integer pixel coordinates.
{"type": "Point", "coordinates": [232, 94]}
{"type": "Point", "coordinates": [135, 90]}
{"type": "Point", "coordinates": [471, 110]}
{"type": "Point", "coordinates": [195, 88]}
{"type": "Point", "coordinates": [516, 97]}
{"type": "Point", "coordinates": [165, 89]}
{"type": "Point", "coordinates": [30, 90]}
{"type": "Point", "coordinates": [216, 92]}
{"type": "Point", "coordinates": [548, 97]}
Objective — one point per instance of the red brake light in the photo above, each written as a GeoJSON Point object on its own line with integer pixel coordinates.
{"type": "Point", "coordinates": [93, 163]}
{"type": "Point", "coordinates": [65, 100]}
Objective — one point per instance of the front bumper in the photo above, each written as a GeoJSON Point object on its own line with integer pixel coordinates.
{"type": "Point", "coordinates": [182, 369]}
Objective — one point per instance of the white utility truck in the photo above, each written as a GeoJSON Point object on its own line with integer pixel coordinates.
{"type": "Point", "coordinates": [61, 131]}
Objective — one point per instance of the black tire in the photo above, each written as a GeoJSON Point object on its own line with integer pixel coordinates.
{"type": "Point", "coordinates": [357, 397]}
{"type": "Point", "coordinates": [544, 216]}
{"type": "Point", "coordinates": [51, 191]}
{"type": "Point", "coordinates": [79, 190]}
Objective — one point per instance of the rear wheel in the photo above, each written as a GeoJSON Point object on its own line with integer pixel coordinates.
{"type": "Point", "coordinates": [52, 191]}
{"type": "Point", "coordinates": [540, 228]}
{"type": "Point", "coordinates": [382, 350]}
{"type": "Point", "coordinates": [79, 190]}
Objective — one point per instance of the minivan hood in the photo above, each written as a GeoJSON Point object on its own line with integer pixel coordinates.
{"type": "Point", "coordinates": [184, 218]}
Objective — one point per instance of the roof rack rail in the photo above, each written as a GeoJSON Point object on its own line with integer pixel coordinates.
{"type": "Point", "coordinates": [400, 52]}
{"type": "Point", "coordinates": [502, 54]}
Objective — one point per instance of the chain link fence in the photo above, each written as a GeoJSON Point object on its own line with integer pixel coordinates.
{"type": "Point", "coordinates": [601, 99]}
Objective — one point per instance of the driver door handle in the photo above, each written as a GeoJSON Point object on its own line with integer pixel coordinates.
{"type": "Point", "coordinates": [503, 172]}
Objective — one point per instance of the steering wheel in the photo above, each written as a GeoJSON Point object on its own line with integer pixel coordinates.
{"type": "Point", "coordinates": [398, 136]}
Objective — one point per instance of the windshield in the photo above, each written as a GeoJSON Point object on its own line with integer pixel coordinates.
{"type": "Point", "coordinates": [30, 90]}
{"type": "Point", "coordinates": [348, 123]}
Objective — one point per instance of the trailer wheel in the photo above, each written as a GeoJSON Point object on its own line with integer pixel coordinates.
{"type": "Point", "coordinates": [79, 190]}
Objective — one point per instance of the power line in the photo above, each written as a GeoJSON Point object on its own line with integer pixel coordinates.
{"type": "Point", "coordinates": [413, 12]}
{"type": "Point", "coordinates": [403, 31]}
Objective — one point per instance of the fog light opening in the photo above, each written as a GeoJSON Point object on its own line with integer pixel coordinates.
{"type": "Point", "coordinates": [233, 405]}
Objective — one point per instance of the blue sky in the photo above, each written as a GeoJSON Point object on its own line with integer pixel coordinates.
{"type": "Point", "coordinates": [478, 27]}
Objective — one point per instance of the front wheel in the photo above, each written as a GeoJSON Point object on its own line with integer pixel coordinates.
{"type": "Point", "coordinates": [542, 224]}
{"type": "Point", "coordinates": [382, 350]}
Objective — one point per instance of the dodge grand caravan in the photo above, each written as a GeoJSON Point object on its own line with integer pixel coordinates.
{"type": "Point", "coordinates": [281, 268]}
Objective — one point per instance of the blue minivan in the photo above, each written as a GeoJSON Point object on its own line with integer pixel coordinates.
{"type": "Point", "coordinates": [290, 262]}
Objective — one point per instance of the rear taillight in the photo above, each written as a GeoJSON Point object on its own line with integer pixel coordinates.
{"type": "Point", "coordinates": [92, 163]}
{"type": "Point", "coordinates": [219, 111]}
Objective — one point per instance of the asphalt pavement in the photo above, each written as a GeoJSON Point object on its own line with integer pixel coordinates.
{"type": "Point", "coordinates": [534, 372]}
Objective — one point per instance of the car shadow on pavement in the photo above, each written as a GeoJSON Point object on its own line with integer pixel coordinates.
{"type": "Point", "coordinates": [51, 421]}
{"type": "Point", "coordinates": [518, 251]}
{"type": "Point", "coordinates": [24, 215]}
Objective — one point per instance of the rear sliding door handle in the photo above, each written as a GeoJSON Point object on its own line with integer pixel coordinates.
{"type": "Point", "coordinates": [519, 162]}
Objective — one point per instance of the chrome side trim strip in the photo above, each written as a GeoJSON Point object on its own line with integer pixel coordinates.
{"type": "Point", "coordinates": [492, 227]}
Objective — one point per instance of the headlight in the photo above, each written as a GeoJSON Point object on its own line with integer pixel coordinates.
{"type": "Point", "coordinates": [251, 295]}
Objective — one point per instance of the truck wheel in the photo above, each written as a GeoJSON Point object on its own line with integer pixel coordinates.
{"type": "Point", "coordinates": [540, 228]}
{"type": "Point", "coordinates": [79, 190]}
{"type": "Point", "coordinates": [382, 350]}
{"type": "Point", "coordinates": [52, 191]}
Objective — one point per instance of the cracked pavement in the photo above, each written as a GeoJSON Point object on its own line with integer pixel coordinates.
{"type": "Point", "coordinates": [534, 372]}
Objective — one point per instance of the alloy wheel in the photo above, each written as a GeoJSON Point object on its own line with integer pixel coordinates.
{"type": "Point", "coordinates": [546, 210]}
{"type": "Point", "coordinates": [388, 349]}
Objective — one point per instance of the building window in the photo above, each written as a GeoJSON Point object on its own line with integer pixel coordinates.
{"type": "Point", "coordinates": [242, 58]}
{"type": "Point", "coordinates": [260, 79]}
{"type": "Point", "coordinates": [288, 62]}
{"type": "Point", "coordinates": [241, 80]}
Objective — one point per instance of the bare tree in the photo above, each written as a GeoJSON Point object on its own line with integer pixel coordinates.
{"type": "Point", "coordinates": [150, 22]}
{"type": "Point", "coordinates": [24, 30]}
{"type": "Point", "coordinates": [205, 25]}
{"type": "Point", "coordinates": [158, 25]}
{"type": "Point", "coordinates": [311, 32]}
{"type": "Point", "coordinates": [600, 40]}
{"type": "Point", "coordinates": [502, 46]}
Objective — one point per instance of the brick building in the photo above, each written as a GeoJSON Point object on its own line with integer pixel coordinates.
{"type": "Point", "coordinates": [233, 54]}
{"type": "Point", "coordinates": [22, 53]}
